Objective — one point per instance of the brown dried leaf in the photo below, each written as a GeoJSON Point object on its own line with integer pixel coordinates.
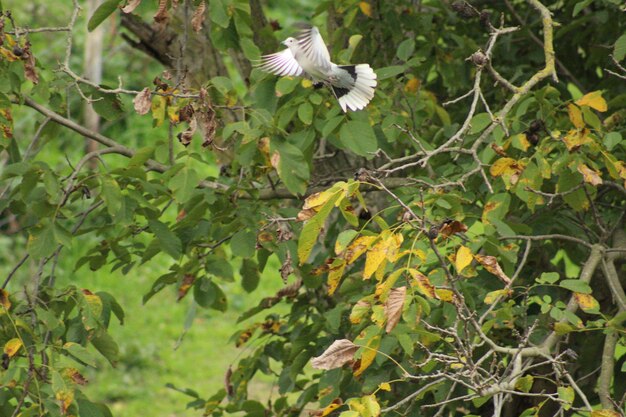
{"type": "Point", "coordinates": [590, 176]}
{"type": "Point", "coordinates": [490, 263]}
{"type": "Point", "coordinates": [423, 283]}
{"type": "Point", "coordinates": [29, 64]}
{"type": "Point", "coordinates": [230, 390]}
{"type": "Point", "coordinates": [75, 376]}
{"type": "Point", "coordinates": [338, 354]}
{"type": "Point", "coordinates": [205, 119]}
{"type": "Point", "coordinates": [394, 306]}
{"type": "Point", "coordinates": [185, 285]}
{"type": "Point", "coordinates": [198, 17]}
{"type": "Point", "coordinates": [286, 268]}
{"type": "Point", "coordinates": [451, 227]}
{"type": "Point", "coordinates": [131, 5]}
{"type": "Point", "coordinates": [162, 16]}
{"type": "Point", "coordinates": [4, 299]}
{"type": "Point", "coordinates": [186, 136]}
{"type": "Point", "coordinates": [143, 101]}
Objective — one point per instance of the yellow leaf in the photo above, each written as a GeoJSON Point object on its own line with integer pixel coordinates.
{"type": "Point", "coordinates": [369, 354]}
{"type": "Point", "coordinates": [412, 85]}
{"type": "Point", "coordinates": [423, 283]}
{"type": "Point", "coordinates": [374, 258]}
{"type": "Point", "coordinates": [386, 248]}
{"type": "Point", "coordinates": [574, 139]}
{"type": "Point", "coordinates": [587, 302]}
{"type": "Point", "coordinates": [4, 299]}
{"type": "Point", "coordinates": [317, 200]}
{"type": "Point", "coordinates": [590, 176]}
{"type": "Point", "coordinates": [65, 397]}
{"type": "Point", "coordinates": [335, 272]}
{"type": "Point", "coordinates": [593, 100]}
{"type": "Point", "coordinates": [490, 263]}
{"type": "Point", "coordinates": [358, 248]}
{"type": "Point", "coordinates": [493, 296]}
{"type": "Point", "coordinates": [383, 288]}
{"type": "Point", "coordinates": [444, 295]}
{"type": "Point", "coordinates": [385, 386]}
{"type": "Point", "coordinates": [501, 166]}
{"type": "Point", "coordinates": [463, 258]}
{"type": "Point", "coordinates": [576, 116]}
{"type": "Point", "coordinates": [604, 413]}
{"type": "Point", "coordinates": [366, 8]}
{"type": "Point", "coordinates": [360, 309]}
{"type": "Point", "coordinates": [332, 407]}
{"type": "Point", "coordinates": [521, 141]}
{"type": "Point", "coordinates": [12, 347]}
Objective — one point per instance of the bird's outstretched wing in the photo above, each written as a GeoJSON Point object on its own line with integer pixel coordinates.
{"type": "Point", "coordinates": [313, 46]}
{"type": "Point", "coordinates": [281, 63]}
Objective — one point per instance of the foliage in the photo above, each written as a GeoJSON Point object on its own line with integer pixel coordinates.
{"type": "Point", "coordinates": [458, 243]}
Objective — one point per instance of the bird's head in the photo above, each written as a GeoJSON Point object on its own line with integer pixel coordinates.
{"type": "Point", "coordinates": [290, 42]}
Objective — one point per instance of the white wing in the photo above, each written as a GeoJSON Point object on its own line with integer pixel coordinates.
{"type": "Point", "coordinates": [281, 63]}
{"type": "Point", "coordinates": [313, 46]}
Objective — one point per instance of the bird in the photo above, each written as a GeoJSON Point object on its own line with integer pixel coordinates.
{"type": "Point", "coordinates": [352, 85]}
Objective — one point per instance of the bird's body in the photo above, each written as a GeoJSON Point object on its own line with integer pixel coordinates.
{"type": "Point", "coordinates": [353, 85]}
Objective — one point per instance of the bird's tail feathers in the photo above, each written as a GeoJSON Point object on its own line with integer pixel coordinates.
{"type": "Point", "coordinates": [360, 94]}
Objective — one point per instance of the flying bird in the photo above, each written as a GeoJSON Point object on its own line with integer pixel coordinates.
{"type": "Point", "coordinates": [353, 85]}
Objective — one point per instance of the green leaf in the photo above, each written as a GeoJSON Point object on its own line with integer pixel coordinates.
{"type": "Point", "coordinates": [111, 194]}
{"type": "Point", "coordinates": [105, 10]}
{"type": "Point", "coordinates": [619, 50]}
{"type": "Point", "coordinates": [331, 125]}
{"type": "Point", "coordinates": [566, 394]}
{"type": "Point", "coordinates": [568, 180]}
{"type": "Point", "coordinates": [105, 344]}
{"type": "Point", "coordinates": [305, 113]}
{"type": "Point", "coordinates": [250, 50]}
{"type": "Point", "coordinates": [479, 122]}
{"type": "Point", "coordinates": [576, 285]}
{"type": "Point", "coordinates": [168, 241]}
{"type": "Point", "coordinates": [388, 72]}
{"type": "Point", "coordinates": [42, 241]}
{"type": "Point", "coordinates": [204, 292]}
{"type": "Point", "coordinates": [611, 140]}
{"type": "Point", "coordinates": [359, 138]}
{"type": "Point", "coordinates": [291, 165]}
{"type": "Point", "coordinates": [87, 408]}
{"type": "Point", "coordinates": [183, 184]}
{"type": "Point", "coordinates": [405, 49]}
{"type": "Point", "coordinates": [218, 14]}
{"type": "Point", "coordinates": [109, 106]}
{"type": "Point", "coordinates": [80, 353]}
{"type": "Point", "coordinates": [249, 275]}
{"type": "Point", "coordinates": [243, 243]}
{"type": "Point", "coordinates": [548, 278]}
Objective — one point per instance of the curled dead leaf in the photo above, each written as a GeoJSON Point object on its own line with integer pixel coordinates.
{"type": "Point", "coordinates": [590, 176]}
{"type": "Point", "coordinates": [143, 101]}
{"type": "Point", "coordinates": [286, 268]}
{"type": "Point", "coordinates": [338, 354]}
{"type": "Point", "coordinates": [198, 17]}
{"type": "Point", "coordinates": [131, 5]}
{"type": "Point", "coordinates": [75, 376]}
{"type": "Point", "coordinates": [230, 390]}
{"type": "Point", "coordinates": [162, 16]}
{"type": "Point", "coordinates": [490, 263]}
{"type": "Point", "coordinates": [29, 64]}
{"type": "Point", "coordinates": [394, 306]}
{"type": "Point", "coordinates": [4, 299]}
{"type": "Point", "coordinates": [451, 227]}
{"type": "Point", "coordinates": [185, 285]}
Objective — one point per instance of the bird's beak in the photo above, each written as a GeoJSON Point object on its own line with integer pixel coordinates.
{"type": "Point", "coordinates": [284, 42]}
